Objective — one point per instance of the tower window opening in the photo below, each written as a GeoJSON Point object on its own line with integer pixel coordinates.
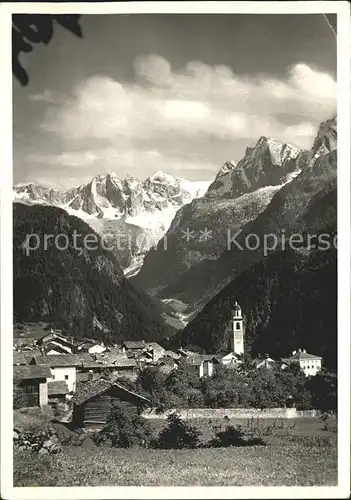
{"type": "Point", "coordinates": [238, 325]}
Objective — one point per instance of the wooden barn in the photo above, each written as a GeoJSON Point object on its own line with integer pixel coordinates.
{"type": "Point", "coordinates": [94, 400]}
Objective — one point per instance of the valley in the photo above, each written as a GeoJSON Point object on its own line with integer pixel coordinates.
{"type": "Point", "coordinates": [172, 241]}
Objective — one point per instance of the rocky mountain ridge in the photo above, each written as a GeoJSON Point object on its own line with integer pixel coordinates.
{"type": "Point", "coordinates": [197, 271]}
{"type": "Point", "coordinates": [107, 196]}
{"type": "Point", "coordinates": [132, 215]}
{"type": "Point", "coordinates": [239, 193]}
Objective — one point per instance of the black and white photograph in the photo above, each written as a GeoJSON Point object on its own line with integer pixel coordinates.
{"type": "Point", "coordinates": [174, 312]}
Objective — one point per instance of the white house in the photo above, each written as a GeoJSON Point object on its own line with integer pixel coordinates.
{"type": "Point", "coordinates": [63, 367]}
{"type": "Point", "coordinates": [308, 363]}
{"type": "Point", "coordinates": [230, 359]}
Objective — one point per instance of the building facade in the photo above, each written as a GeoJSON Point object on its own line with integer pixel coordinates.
{"type": "Point", "coordinates": [63, 367]}
{"type": "Point", "coordinates": [308, 363]}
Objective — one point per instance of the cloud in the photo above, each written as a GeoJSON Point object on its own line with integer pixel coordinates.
{"type": "Point", "coordinates": [189, 106]}
{"type": "Point", "coordinates": [122, 162]}
{"type": "Point", "coordinates": [47, 96]}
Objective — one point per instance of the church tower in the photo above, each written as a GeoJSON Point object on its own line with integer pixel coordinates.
{"type": "Point", "coordinates": [236, 328]}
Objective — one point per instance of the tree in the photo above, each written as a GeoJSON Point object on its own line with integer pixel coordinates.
{"type": "Point", "coordinates": [152, 382]}
{"type": "Point", "coordinates": [124, 429]}
{"type": "Point", "coordinates": [324, 391]}
{"type": "Point", "coordinates": [183, 387]}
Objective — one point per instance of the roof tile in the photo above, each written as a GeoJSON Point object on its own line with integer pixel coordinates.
{"type": "Point", "coordinates": [31, 372]}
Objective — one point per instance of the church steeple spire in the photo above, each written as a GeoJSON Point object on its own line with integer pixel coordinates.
{"type": "Point", "coordinates": [236, 327]}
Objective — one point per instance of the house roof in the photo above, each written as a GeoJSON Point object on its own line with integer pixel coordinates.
{"type": "Point", "coordinates": [31, 372]}
{"type": "Point", "coordinates": [57, 387]}
{"type": "Point", "coordinates": [134, 344]}
{"type": "Point", "coordinates": [222, 354]}
{"type": "Point", "coordinates": [186, 352]}
{"type": "Point", "coordinates": [231, 354]}
{"type": "Point", "coordinates": [82, 377]}
{"type": "Point", "coordinates": [57, 360]}
{"type": "Point", "coordinates": [300, 356]}
{"type": "Point", "coordinates": [108, 359]}
{"type": "Point", "coordinates": [19, 358]}
{"type": "Point", "coordinates": [199, 358]}
{"type": "Point", "coordinates": [172, 354]}
{"type": "Point", "coordinates": [144, 354]}
{"type": "Point", "coordinates": [155, 345]}
{"type": "Point", "coordinates": [167, 360]}
{"type": "Point", "coordinates": [90, 389]}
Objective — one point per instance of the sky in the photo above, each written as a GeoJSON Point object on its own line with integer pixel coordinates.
{"type": "Point", "coordinates": [176, 93]}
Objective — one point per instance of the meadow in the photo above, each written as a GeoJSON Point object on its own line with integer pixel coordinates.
{"type": "Point", "coordinates": [297, 453]}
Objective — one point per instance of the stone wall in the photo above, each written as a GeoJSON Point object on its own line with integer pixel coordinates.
{"type": "Point", "coordinates": [234, 413]}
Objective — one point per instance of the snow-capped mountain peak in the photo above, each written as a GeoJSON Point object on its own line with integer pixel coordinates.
{"type": "Point", "coordinates": [143, 207]}
{"type": "Point", "coordinates": [269, 163]}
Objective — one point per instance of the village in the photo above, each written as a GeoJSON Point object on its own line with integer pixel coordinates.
{"type": "Point", "coordinates": [81, 375]}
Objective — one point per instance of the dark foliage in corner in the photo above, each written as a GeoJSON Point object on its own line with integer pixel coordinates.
{"type": "Point", "coordinates": [29, 29]}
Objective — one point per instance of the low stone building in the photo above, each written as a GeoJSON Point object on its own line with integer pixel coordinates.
{"type": "Point", "coordinates": [203, 364]}
{"type": "Point", "coordinates": [30, 386]}
{"type": "Point", "coordinates": [57, 391]}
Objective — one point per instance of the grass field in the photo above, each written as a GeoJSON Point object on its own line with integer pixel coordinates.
{"type": "Point", "coordinates": [290, 465]}
{"type": "Point", "coordinates": [297, 453]}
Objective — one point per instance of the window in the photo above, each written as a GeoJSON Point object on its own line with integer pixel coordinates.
{"type": "Point", "coordinates": [30, 388]}
{"type": "Point", "coordinates": [66, 377]}
{"type": "Point", "coordinates": [238, 325]}
{"type": "Point", "coordinates": [53, 377]}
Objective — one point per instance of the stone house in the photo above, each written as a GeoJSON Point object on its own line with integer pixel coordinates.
{"type": "Point", "coordinates": [57, 391]}
{"type": "Point", "coordinates": [30, 386]}
{"type": "Point", "coordinates": [203, 364]}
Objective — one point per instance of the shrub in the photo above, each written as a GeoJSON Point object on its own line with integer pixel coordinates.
{"type": "Point", "coordinates": [234, 436]}
{"type": "Point", "coordinates": [178, 434]}
{"type": "Point", "coordinates": [330, 422]}
{"type": "Point", "coordinates": [124, 429]}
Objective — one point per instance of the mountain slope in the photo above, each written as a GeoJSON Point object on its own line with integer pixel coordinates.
{"type": "Point", "coordinates": [289, 301]}
{"type": "Point", "coordinates": [283, 215]}
{"type": "Point", "coordinates": [237, 196]}
{"type": "Point", "coordinates": [76, 285]}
